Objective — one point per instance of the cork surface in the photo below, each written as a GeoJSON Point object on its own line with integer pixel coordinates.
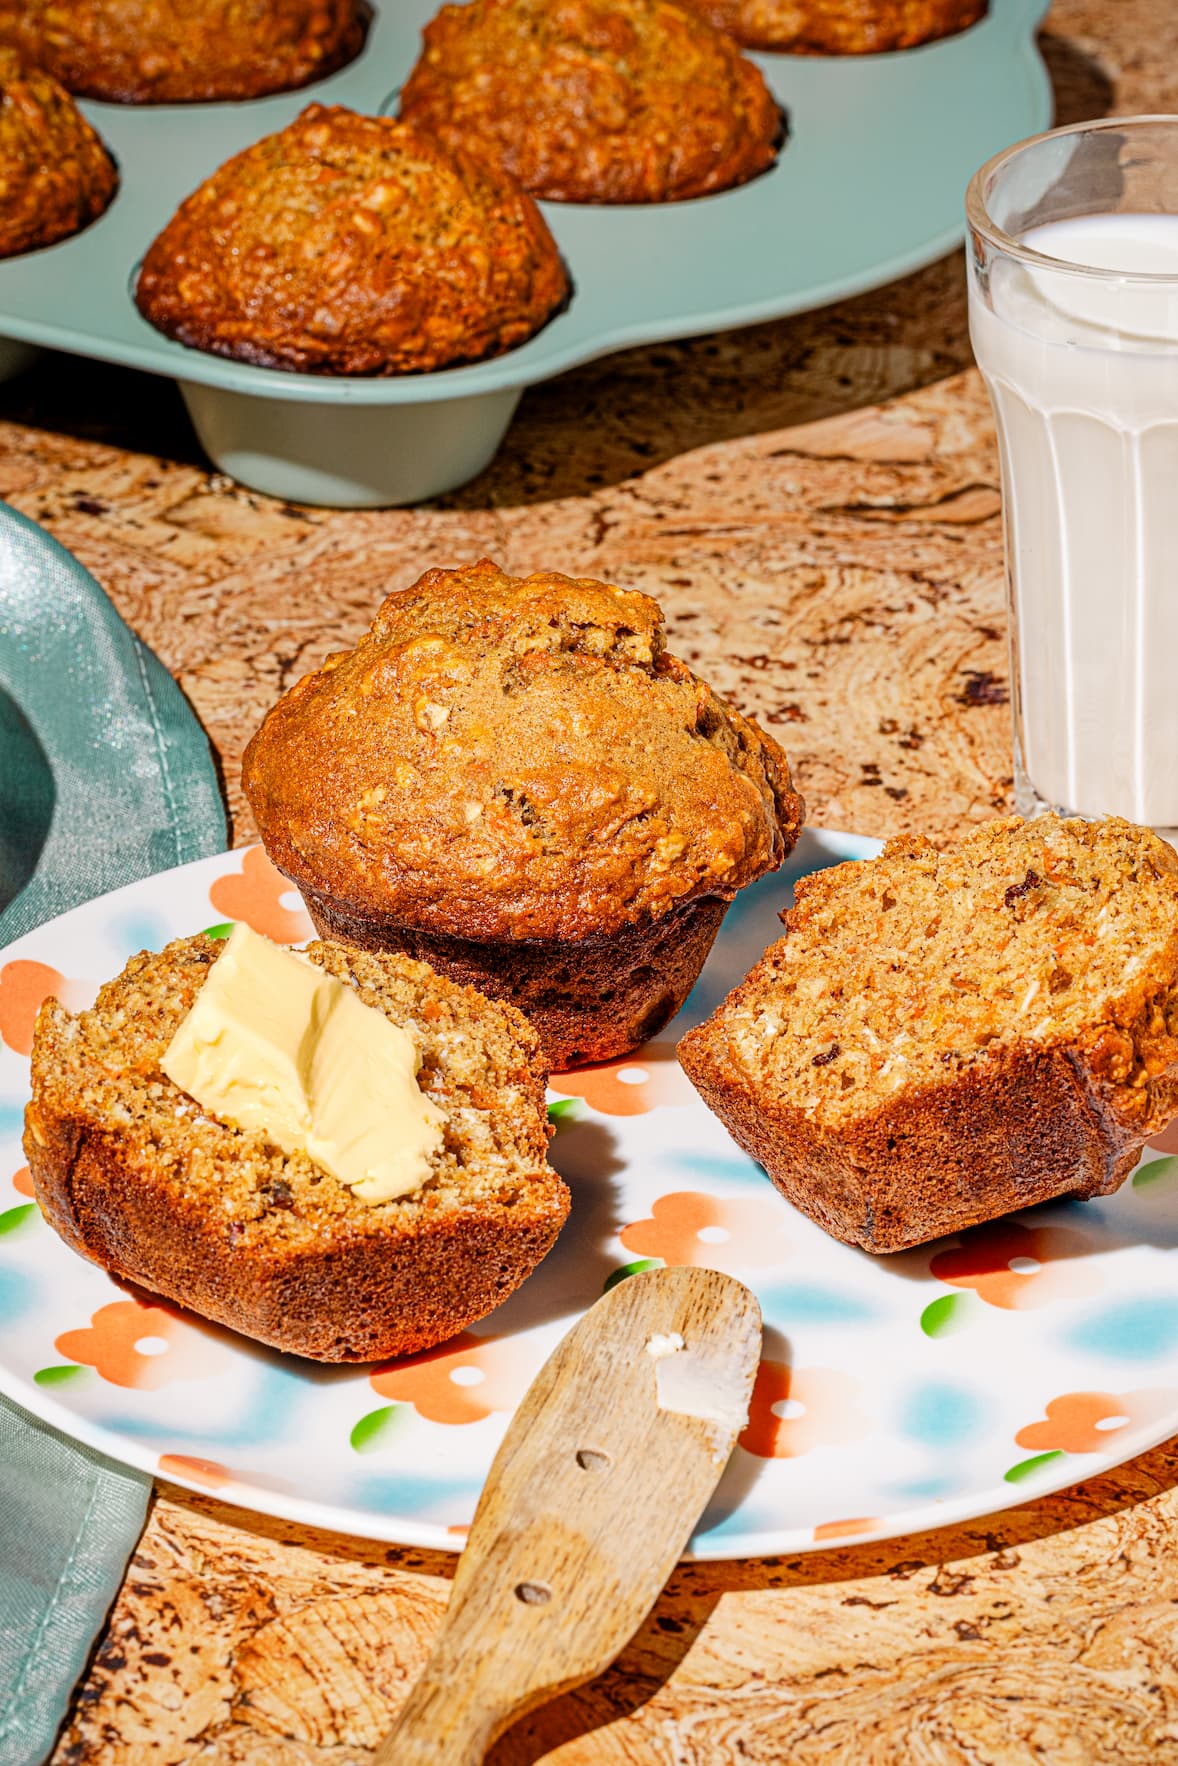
{"type": "Point", "coordinates": [815, 503]}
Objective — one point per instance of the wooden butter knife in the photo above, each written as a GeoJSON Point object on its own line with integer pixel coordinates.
{"type": "Point", "coordinates": [604, 1471]}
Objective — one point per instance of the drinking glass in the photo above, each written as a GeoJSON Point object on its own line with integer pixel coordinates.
{"type": "Point", "coordinates": [1073, 301]}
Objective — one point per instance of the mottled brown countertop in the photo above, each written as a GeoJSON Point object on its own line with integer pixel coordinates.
{"type": "Point", "coordinates": [815, 502]}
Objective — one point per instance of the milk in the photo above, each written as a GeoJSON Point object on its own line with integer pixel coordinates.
{"type": "Point", "coordinates": [1083, 375]}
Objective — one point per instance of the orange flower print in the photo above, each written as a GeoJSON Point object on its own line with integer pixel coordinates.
{"type": "Point", "coordinates": [1019, 1267]}
{"type": "Point", "coordinates": [143, 1347]}
{"type": "Point", "coordinates": [24, 987]}
{"type": "Point", "coordinates": [711, 1232]}
{"type": "Point", "coordinates": [855, 1527]}
{"type": "Point", "coordinates": [256, 895]}
{"type": "Point", "coordinates": [795, 1409]}
{"type": "Point", "coordinates": [22, 1182]}
{"type": "Point", "coordinates": [208, 1472]}
{"type": "Point", "coordinates": [640, 1081]}
{"type": "Point", "coordinates": [461, 1381]}
{"type": "Point", "coordinates": [1085, 1422]}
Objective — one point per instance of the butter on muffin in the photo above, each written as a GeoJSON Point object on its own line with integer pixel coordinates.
{"type": "Point", "coordinates": [942, 1037]}
{"type": "Point", "coordinates": [596, 100]}
{"type": "Point", "coordinates": [350, 244]}
{"type": "Point", "coordinates": [56, 175]}
{"type": "Point", "coordinates": [514, 780]}
{"type": "Point", "coordinates": [185, 51]}
{"type": "Point", "coordinates": [839, 27]}
{"type": "Point", "coordinates": [137, 1176]}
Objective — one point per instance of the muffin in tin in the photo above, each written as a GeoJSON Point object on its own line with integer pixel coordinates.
{"type": "Point", "coordinates": [351, 244]}
{"type": "Point", "coordinates": [583, 101]}
{"type": "Point", "coordinates": [56, 175]}
{"type": "Point", "coordinates": [186, 51]}
{"type": "Point", "coordinates": [840, 27]}
{"type": "Point", "coordinates": [513, 780]}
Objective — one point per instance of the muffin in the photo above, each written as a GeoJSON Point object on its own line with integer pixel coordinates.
{"type": "Point", "coordinates": [134, 1176]}
{"type": "Point", "coordinates": [55, 174]}
{"type": "Point", "coordinates": [349, 244]}
{"type": "Point", "coordinates": [942, 1037]}
{"type": "Point", "coordinates": [181, 51]}
{"type": "Point", "coordinates": [839, 27]}
{"type": "Point", "coordinates": [512, 778]}
{"type": "Point", "coordinates": [589, 101]}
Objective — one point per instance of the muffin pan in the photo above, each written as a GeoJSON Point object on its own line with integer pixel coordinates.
{"type": "Point", "coordinates": [868, 187]}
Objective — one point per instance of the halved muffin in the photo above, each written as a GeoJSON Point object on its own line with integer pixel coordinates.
{"type": "Point", "coordinates": [944, 1036]}
{"type": "Point", "coordinates": [135, 1176]}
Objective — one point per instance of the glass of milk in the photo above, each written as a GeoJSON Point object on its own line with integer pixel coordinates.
{"type": "Point", "coordinates": [1073, 301]}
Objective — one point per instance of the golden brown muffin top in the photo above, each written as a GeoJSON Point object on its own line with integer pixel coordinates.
{"type": "Point", "coordinates": [55, 174]}
{"type": "Point", "coordinates": [177, 51]}
{"type": "Point", "coordinates": [351, 244]}
{"type": "Point", "coordinates": [506, 757]}
{"type": "Point", "coordinates": [839, 27]}
{"type": "Point", "coordinates": [588, 101]}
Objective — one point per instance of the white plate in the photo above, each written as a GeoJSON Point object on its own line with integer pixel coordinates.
{"type": "Point", "coordinates": [896, 1393]}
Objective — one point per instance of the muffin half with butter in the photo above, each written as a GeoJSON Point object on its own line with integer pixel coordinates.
{"type": "Point", "coordinates": [512, 779]}
{"type": "Point", "coordinates": [337, 1154]}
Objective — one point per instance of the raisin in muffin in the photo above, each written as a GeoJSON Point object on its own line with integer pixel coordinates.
{"type": "Point", "coordinates": [182, 51]}
{"type": "Point", "coordinates": [942, 1037]}
{"type": "Point", "coordinates": [350, 244]}
{"type": "Point", "coordinates": [134, 1176]}
{"type": "Point", "coordinates": [56, 176]}
{"type": "Point", "coordinates": [584, 101]}
{"type": "Point", "coordinates": [840, 27]}
{"type": "Point", "coordinates": [513, 779]}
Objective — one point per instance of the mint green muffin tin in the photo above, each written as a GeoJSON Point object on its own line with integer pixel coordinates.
{"type": "Point", "coordinates": [868, 187]}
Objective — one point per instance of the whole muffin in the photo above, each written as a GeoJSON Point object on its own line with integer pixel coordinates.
{"type": "Point", "coordinates": [584, 101]}
{"type": "Point", "coordinates": [56, 176]}
{"type": "Point", "coordinates": [840, 27]}
{"type": "Point", "coordinates": [512, 779]}
{"type": "Point", "coordinates": [946, 1036]}
{"type": "Point", "coordinates": [352, 244]}
{"type": "Point", "coordinates": [179, 51]}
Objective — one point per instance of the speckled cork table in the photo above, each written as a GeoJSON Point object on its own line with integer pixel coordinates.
{"type": "Point", "coordinates": [815, 503]}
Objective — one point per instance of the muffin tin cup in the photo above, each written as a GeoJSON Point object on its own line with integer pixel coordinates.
{"type": "Point", "coordinates": [344, 456]}
{"type": "Point", "coordinates": [868, 187]}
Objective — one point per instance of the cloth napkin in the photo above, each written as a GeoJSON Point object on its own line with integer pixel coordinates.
{"type": "Point", "coordinates": [105, 776]}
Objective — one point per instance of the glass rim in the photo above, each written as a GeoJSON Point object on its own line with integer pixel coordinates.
{"type": "Point", "coordinates": [981, 221]}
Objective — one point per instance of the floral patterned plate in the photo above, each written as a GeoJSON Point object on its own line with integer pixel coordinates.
{"type": "Point", "coordinates": [894, 1393]}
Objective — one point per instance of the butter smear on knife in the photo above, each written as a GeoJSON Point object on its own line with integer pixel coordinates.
{"type": "Point", "coordinates": [685, 1386]}
{"type": "Point", "coordinates": [274, 1044]}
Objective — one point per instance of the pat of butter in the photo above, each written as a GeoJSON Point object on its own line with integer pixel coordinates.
{"type": "Point", "coordinates": [274, 1043]}
{"type": "Point", "coordinates": [685, 1385]}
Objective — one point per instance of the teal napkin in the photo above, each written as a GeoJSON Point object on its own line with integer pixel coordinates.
{"type": "Point", "coordinates": [105, 776]}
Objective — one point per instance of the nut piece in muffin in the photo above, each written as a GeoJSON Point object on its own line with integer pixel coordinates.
{"type": "Point", "coordinates": [588, 101]}
{"type": "Point", "coordinates": [840, 27]}
{"type": "Point", "coordinates": [184, 51]}
{"type": "Point", "coordinates": [349, 244]}
{"type": "Point", "coordinates": [56, 175]}
{"type": "Point", "coordinates": [514, 780]}
{"type": "Point", "coordinates": [942, 1037]}
{"type": "Point", "coordinates": [136, 1177]}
